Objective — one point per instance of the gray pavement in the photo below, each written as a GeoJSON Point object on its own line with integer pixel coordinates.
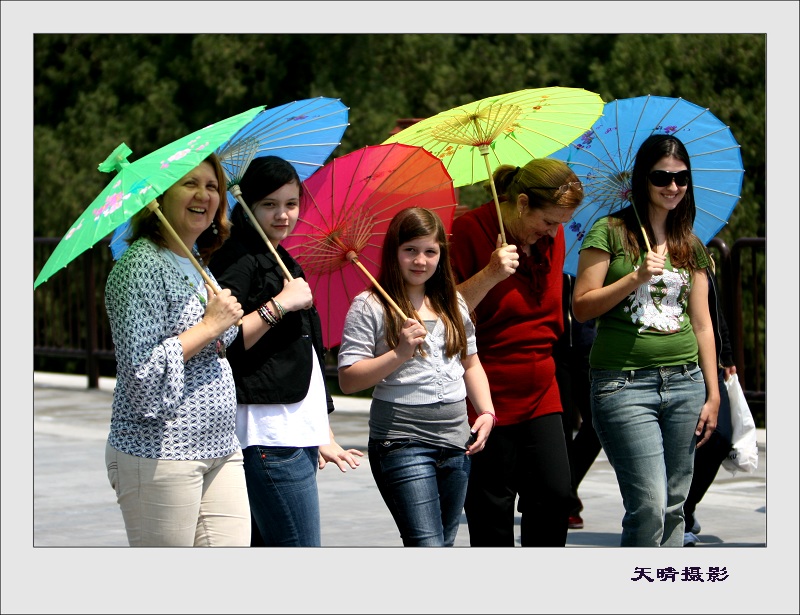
{"type": "Point", "coordinates": [74, 506]}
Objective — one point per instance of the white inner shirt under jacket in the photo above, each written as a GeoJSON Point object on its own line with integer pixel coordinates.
{"type": "Point", "coordinates": [301, 424]}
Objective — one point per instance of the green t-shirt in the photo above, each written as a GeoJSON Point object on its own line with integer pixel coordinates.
{"type": "Point", "coordinates": [650, 327]}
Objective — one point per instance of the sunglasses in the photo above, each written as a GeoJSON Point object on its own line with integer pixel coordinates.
{"type": "Point", "coordinates": [664, 178]}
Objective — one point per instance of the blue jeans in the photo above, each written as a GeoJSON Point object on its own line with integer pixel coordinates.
{"type": "Point", "coordinates": [424, 487]}
{"type": "Point", "coordinates": [645, 420]}
{"type": "Point", "coordinates": [284, 502]}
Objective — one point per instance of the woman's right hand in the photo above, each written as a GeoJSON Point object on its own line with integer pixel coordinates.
{"type": "Point", "coordinates": [223, 311]}
{"type": "Point", "coordinates": [503, 261]}
{"type": "Point", "coordinates": [653, 265]}
{"type": "Point", "coordinates": [296, 295]}
{"type": "Point", "coordinates": [412, 335]}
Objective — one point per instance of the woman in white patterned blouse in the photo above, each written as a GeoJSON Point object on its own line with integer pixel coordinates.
{"type": "Point", "coordinates": [172, 455]}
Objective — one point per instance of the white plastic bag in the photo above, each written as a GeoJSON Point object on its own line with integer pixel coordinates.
{"type": "Point", "coordinates": [743, 457]}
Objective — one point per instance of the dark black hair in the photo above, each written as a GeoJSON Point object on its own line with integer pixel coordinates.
{"type": "Point", "coordinates": [680, 221]}
{"type": "Point", "coordinates": [264, 176]}
{"type": "Point", "coordinates": [653, 149]}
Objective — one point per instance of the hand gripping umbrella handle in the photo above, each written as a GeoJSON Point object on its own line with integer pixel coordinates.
{"type": "Point", "coordinates": [237, 193]}
{"type": "Point", "coordinates": [153, 206]}
{"type": "Point", "coordinates": [353, 258]}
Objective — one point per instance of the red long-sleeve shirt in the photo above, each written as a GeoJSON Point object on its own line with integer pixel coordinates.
{"type": "Point", "coordinates": [519, 320]}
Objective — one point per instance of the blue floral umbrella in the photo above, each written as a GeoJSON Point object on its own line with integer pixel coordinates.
{"type": "Point", "coordinates": [603, 158]}
{"type": "Point", "coordinates": [303, 132]}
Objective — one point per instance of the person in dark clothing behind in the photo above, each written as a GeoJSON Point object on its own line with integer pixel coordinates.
{"type": "Point", "coordinates": [572, 373]}
{"type": "Point", "coordinates": [708, 458]}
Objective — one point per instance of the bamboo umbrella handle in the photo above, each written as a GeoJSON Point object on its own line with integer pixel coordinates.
{"type": "Point", "coordinates": [237, 193]}
{"type": "Point", "coordinates": [484, 150]}
{"type": "Point", "coordinates": [641, 226]}
{"type": "Point", "coordinates": [354, 259]}
{"type": "Point", "coordinates": [153, 206]}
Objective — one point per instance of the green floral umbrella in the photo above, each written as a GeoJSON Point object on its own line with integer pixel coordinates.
{"type": "Point", "coordinates": [136, 185]}
{"type": "Point", "coordinates": [473, 139]}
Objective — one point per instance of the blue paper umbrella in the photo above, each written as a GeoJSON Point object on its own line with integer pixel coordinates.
{"type": "Point", "coordinates": [303, 132]}
{"type": "Point", "coordinates": [603, 158]}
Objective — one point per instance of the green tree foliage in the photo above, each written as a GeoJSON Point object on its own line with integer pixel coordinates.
{"type": "Point", "coordinates": [94, 91]}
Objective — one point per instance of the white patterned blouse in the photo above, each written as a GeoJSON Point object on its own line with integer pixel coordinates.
{"type": "Point", "coordinates": [164, 408]}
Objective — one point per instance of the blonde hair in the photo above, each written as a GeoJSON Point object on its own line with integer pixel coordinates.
{"type": "Point", "coordinates": [547, 183]}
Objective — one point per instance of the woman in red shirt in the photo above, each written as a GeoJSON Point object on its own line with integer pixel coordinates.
{"type": "Point", "coordinates": [516, 293]}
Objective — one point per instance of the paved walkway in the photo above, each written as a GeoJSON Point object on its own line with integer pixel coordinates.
{"type": "Point", "coordinates": [73, 506]}
{"type": "Point", "coordinates": [71, 425]}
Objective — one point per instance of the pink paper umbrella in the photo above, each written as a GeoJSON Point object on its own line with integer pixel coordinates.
{"type": "Point", "coordinates": [345, 212]}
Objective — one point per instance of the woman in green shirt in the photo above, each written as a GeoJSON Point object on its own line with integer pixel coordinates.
{"type": "Point", "coordinates": [655, 395]}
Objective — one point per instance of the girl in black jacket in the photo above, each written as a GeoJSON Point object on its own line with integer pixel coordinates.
{"type": "Point", "coordinates": [278, 363]}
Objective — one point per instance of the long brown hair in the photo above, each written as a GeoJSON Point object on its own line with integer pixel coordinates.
{"type": "Point", "coordinates": [440, 289]}
{"type": "Point", "coordinates": [146, 223]}
{"type": "Point", "coordinates": [681, 240]}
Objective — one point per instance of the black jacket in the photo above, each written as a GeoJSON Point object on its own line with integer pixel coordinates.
{"type": "Point", "coordinates": [721, 335]}
{"type": "Point", "coordinates": [276, 369]}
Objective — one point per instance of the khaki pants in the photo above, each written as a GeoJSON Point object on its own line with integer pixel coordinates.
{"type": "Point", "coordinates": [166, 503]}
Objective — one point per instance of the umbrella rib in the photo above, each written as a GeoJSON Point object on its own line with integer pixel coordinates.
{"type": "Point", "coordinates": [270, 145]}
{"type": "Point", "coordinates": [704, 170]}
{"type": "Point", "coordinates": [688, 142]}
{"type": "Point", "coordinates": [291, 127]}
{"type": "Point", "coordinates": [279, 119]}
{"type": "Point", "coordinates": [715, 191]}
{"type": "Point", "coordinates": [280, 133]}
{"type": "Point", "coordinates": [718, 151]}
{"type": "Point", "coordinates": [713, 216]}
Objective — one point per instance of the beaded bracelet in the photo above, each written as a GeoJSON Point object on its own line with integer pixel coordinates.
{"type": "Point", "coordinates": [493, 415]}
{"type": "Point", "coordinates": [279, 307]}
{"type": "Point", "coordinates": [271, 313]}
{"type": "Point", "coordinates": [267, 316]}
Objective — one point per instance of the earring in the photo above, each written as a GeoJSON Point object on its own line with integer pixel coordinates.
{"type": "Point", "coordinates": [214, 227]}
{"type": "Point", "coordinates": [519, 213]}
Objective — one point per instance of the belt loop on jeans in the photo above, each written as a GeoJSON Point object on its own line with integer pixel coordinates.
{"type": "Point", "coordinates": [631, 373]}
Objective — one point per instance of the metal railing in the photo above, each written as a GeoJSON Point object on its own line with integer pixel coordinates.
{"type": "Point", "coordinates": [72, 331]}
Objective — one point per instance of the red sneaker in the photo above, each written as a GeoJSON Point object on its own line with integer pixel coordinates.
{"type": "Point", "coordinates": [575, 522]}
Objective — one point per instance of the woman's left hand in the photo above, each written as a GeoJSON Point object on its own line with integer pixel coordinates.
{"type": "Point", "coordinates": [222, 311]}
{"type": "Point", "coordinates": [334, 453]}
{"type": "Point", "coordinates": [707, 423]}
{"type": "Point", "coordinates": [482, 427]}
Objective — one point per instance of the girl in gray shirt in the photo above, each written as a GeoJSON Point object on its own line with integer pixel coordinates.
{"type": "Point", "coordinates": [420, 439]}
